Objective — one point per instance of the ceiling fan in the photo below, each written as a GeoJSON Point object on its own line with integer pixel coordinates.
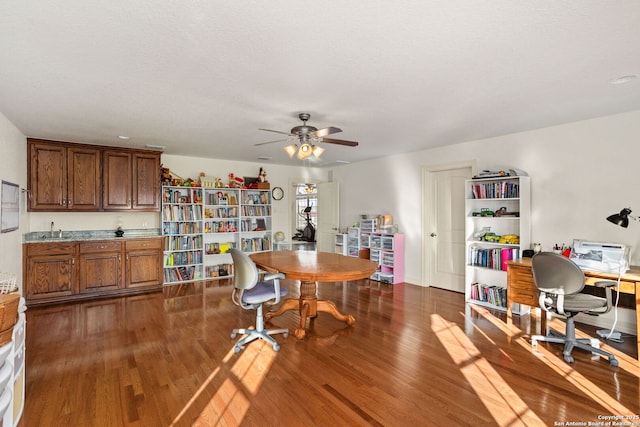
{"type": "Point", "coordinates": [308, 137]}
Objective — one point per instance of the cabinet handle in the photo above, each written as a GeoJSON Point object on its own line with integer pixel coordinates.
{"type": "Point", "coordinates": [73, 261]}
{"type": "Point", "coordinates": [119, 257]}
{"type": "Point", "coordinates": [69, 202]}
{"type": "Point", "coordinates": [127, 257]}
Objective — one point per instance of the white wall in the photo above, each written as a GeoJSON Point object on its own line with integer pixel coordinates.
{"type": "Point", "coordinates": [580, 173]}
{"type": "Point", "coordinates": [13, 163]}
{"type": "Point", "coordinates": [277, 175]}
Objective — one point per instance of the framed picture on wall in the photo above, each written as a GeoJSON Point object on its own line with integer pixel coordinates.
{"type": "Point", "coordinates": [9, 206]}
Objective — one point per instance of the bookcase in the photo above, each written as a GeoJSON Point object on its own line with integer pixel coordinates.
{"type": "Point", "coordinates": [182, 227]}
{"type": "Point", "coordinates": [220, 226]}
{"type": "Point", "coordinates": [201, 225]}
{"type": "Point", "coordinates": [388, 251]}
{"type": "Point", "coordinates": [497, 229]}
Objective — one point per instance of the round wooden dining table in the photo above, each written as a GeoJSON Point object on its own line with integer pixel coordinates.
{"type": "Point", "coordinates": [311, 267]}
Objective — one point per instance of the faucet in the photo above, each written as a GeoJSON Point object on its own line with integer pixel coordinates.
{"type": "Point", "coordinates": [51, 232]}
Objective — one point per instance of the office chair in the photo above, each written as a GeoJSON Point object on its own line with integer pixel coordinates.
{"type": "Point", "coordinates": [560, 281]}
{"type": "Point", "coordinates": [250, 293]}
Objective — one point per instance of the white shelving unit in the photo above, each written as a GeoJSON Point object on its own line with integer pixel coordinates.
{"type": "Point", "coordinates": [353, 241]}
{"type": "Point", "coordinates": [201, 224]}
{"type": "Point", "coordinates": [341, 246]}
{"type": "Point", "coordinates": [388, 251]}
{"type": "Point", "coordinates": [181, 216]}
{"type": "Point", "coordinates": [221, 228]}
{"type": "Point", "coordinates": [497, 207]}
{"type": "Point", "coordinates": [12, 373]}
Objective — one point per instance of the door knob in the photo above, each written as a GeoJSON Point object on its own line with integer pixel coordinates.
{"type": "Point", "coordinates": [433, 234]}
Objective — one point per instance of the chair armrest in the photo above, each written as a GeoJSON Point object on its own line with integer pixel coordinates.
{"type": "Point", "coordinates": [273, 276]}
{"type": "Point", "coordinates": [607, 285]}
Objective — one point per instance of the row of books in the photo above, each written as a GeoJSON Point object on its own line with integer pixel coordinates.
{"type": "Point", "coordinates": [180, 274]}
{"type": "Point", "coordinates": [182, 243]}
{"type": "Point", "coordinates": [220, 270]}
{"type": "Point", "coordinates": [259, 198]}
{"type": "Point", "coordinates": [256, 244]}
{"type": "Point", "coordinates": [221, 198]}
{"type": "Point", "coordinates": [220, 226]}
{"type": "Point", "coordinates": [181, 213]}
{"type": "Point", "coordinates": [495, 258]}
{"type": "Point", "coordinates": [218, 248]}
{"type": "Point", "coordinates": [226, 212]}
{"type": "Point", "coordinates": [184, 195]}
{"type": "Point", "coordinates": [183, 258]}
{"type": "Point", "coordinates": [256, 224]}
{"type": "Point", "coordinates": [496, 190]}
{"type": "Point", "coordinates": [169, 228]}
{"type": "Point", "coordinates": [496, 295]}
{"type": "Point", "coordinates": [256, 210]}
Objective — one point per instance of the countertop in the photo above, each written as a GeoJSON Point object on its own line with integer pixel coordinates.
{"type": "Point", "coordinates": [88, 235]}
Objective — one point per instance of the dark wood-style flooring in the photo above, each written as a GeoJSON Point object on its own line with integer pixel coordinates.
{"type": "Point", "coordinates": [415, 357]}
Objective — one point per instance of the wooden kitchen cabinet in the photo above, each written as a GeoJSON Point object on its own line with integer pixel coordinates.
{"type": "Point", "coordinates": [50, 270]}
{"type": "Point", "coordinates": [143, 262]}
{"type": "Point", "coordinates": [63, 177]}
{"type": "Point", "coordinates": [100, 266]}
{"type": "Point", "coordinates": [65, 271]}
{"type": "Point", "coordinates": [131, 181]}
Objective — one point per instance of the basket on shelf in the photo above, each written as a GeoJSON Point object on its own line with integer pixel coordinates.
{"type": "Point", "coordinates": [8, 316]}
{"type": "Point", "coordinates": [7, 283]}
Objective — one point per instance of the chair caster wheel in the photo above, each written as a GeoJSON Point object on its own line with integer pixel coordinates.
{"type": "Point", "coordinates": [286, 335]}
{"type": "Point", "coordinates": [568, 359]}
{"type": "Point", "coordinates": [233, 335]}
{"type": "Point", "coordinates": [614, 362]}
{"type": "Point", "coordinates": [276, 347]}
{"type": "Point", "coordinates": [237, 349]}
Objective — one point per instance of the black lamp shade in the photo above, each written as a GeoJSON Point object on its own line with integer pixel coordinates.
{"type": "Point", "coordinates": [621, 219]}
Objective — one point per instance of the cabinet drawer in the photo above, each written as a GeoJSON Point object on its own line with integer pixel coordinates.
{"type": "Point", "coordinates": [144, 244]}
{"type": "Point", "coordinates": [50, 248]}
{"type": "Point", "coordinates": [100, 246]}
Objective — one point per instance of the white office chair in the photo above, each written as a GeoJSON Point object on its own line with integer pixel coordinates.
{"type": "Point", "coordinates": [250, 294]}
{"type": "Point", "coordinates": [560, 281]}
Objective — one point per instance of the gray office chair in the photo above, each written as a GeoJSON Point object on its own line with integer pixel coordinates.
{"type": "Point", "coordinates": [560, 281]}
{"type": "Point", "coordinates": [250, 293]}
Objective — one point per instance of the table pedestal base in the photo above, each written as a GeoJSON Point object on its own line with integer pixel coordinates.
{"type": "Point", "coordinates": [308, 306]}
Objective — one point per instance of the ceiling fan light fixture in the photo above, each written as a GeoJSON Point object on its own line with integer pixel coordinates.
{"type": "Point", "coordinates": [304, 151]}
{"type": "Point", "coordinates": [317, 151]}
{"type": "Point", "coordinates": [291, 149]}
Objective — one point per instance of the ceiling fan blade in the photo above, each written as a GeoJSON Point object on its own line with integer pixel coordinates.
{"type": "Point", "coordinates": [269, 142]}
{"type": "Point", "coordinates": [340, 142]}
{"type": "Point", "coordinates": [326, 131]}
{"type": "Point", "coordinates": [276, 131]}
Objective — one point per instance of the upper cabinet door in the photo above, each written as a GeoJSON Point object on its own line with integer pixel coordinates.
{"type": "Point", "coordinates": [47, 175]}
{"type": "Point", "coordinates": [84, 179]}
{"type": "Point", "coordinates": [146, 181]}
{"type": "Point", "coordinates": [116, 193]}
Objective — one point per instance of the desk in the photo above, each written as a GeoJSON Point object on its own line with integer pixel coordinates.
{"type": "Point", "coordinates": [310, 267]}
{"type": "Point", "coordinates": [522, 289]}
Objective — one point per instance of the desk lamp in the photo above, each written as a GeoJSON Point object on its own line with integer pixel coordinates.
{"type": "Point", "coordinates": [621, 219]}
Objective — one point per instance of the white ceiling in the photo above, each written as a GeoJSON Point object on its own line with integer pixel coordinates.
{"type": "Point", "coordinates": [202, 76]}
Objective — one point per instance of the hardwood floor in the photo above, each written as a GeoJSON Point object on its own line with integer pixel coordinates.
{"type": "Point", "coordinates": [415, 357]}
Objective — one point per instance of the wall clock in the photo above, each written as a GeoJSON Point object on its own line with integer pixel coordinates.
{"type": "Point", "coordinates": [277, 193]}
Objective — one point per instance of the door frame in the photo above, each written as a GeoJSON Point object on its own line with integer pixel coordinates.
{"type": "Point", "coordinates": [426, 173]}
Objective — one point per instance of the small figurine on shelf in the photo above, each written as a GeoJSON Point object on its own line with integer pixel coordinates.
{"type": "Point", "coordinates": [232, 180]}
{"type": "Point", "coordinates": [218, 183]}
{"type": "Point", "coordinates": [262, 175]}
{"type": "Point", "coordinates": [165, 176]}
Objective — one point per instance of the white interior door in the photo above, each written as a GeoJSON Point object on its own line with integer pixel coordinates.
{"type": "Point", "coordinates": [444, 228]}
{"type": "Point", "coordinates": [328, 216]}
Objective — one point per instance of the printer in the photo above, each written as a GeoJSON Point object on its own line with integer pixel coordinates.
{"type": "Point", "coordinates": [597, 256]}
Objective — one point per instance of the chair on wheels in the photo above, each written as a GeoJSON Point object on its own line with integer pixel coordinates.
{"type": "Point", "coordinates": [250, 293]}
{"type": "Point", "coordinates": [560, 281]}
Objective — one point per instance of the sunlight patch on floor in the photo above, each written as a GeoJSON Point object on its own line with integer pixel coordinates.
{"type": "Point", "coordinates": [565, 369]}
{"type": "Point", "coordinates": [502, 402]}
{"type": "Point", "coordinates": [232, 399]}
